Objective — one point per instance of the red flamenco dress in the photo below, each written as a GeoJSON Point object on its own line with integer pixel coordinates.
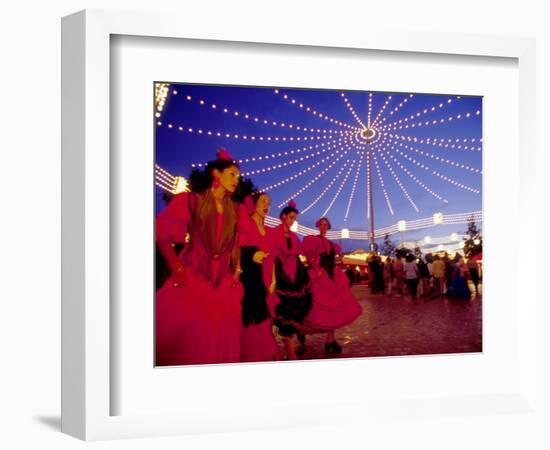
{"type": "Point", "coordinates": [334, 305]}
{"type": "Point", "coordinates": [199, 322]}
{"type": "Point", "coordinates": [257, 340]}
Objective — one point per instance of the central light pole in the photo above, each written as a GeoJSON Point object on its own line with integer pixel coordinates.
{"type": "Point", "coordinates": [370, 135]}
{"type": "Point", "coordinates": [369, 182]}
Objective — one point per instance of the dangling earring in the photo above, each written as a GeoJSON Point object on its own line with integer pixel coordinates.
{"type": "Point", "coordinates": [216, 183]}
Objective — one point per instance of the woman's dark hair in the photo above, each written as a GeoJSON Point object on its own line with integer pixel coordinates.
{"type": "Point", "coordinates": [287, 210]}
{"type": "Point", "coordinates": [167, 197]}
{"type": "Point", "coordinates": [318, 223]}
{"type": "Point", "coordinates": [245, 188]}
{"type": "Point", "coordinates": [201, 180]}
{"type": "Point", "coordinates": [256, 196]}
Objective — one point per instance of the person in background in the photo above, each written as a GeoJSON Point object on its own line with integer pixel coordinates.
{"type": "Point", "coordinates": [424, 278]}
{"type": "Point", "coordinates": [459, 287]}
{"type": "Point", "coordinates": [388, 275]}
{"type": "Point", "coordinates": [399, 277]}
{"type": "Point", "coordinates": [379, 274]}
{"type": "Point", "coordinates": [474, 274]}
{"type": "Point", "coordinates": [373, 280]}
{"type": "Point", "coordinates": [430, 265]}
{"type": "Point", "coordinates": [449, 271]}
{"type": "Point", "coordinates": [439, 276]}
{"type": "Point", "coordinates": [350, 273]}
{"type": "Point", "coordinates": [410, 270]}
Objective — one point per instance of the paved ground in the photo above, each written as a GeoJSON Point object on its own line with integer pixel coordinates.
{"type": "Point", "coordinates": [393, 325]}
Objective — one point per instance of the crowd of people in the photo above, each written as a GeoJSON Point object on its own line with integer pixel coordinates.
{"type": "Point", "coordinates": [426, 276]}
{"type": "Point", "coordinates": [235, 282]}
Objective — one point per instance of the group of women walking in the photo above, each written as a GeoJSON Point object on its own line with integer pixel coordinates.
{"type": "Point", "coordinates": [236, 278]}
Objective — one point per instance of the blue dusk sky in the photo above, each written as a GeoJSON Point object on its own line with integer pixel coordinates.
{"type": "Point", "coordinates": [311, 145]}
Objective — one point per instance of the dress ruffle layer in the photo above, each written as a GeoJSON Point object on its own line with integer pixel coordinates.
{"type": "Point", "coordinates": [198, 323]}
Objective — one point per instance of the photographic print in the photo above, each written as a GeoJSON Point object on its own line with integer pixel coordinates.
{"type": "Point", "coordinates": [302, 224]}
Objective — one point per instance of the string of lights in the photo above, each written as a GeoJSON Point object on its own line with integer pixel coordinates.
{"type": "Point", "coordinates": [328, 134]}
{"type": "Point", "coordinates": [165, 179]}
{"type": "Point", "coordinates": [381, 180]}
{"type": "Point", "coordinates": [354, 186]}
{"type": "Point", "coordinates": [307, 148]}
{"type": "Point", "coordinates": [161, 96]}
{"type": "Point", "coordinates": [161, 177]}
{"type": "Point", "coordinates": [422, 221]}
{"type": "Point", "coordinates": [369, 114]}
{"type": "Point", "coordinates": [455, 222]}
{"type": "Point", "coordinates": [398, 181]}
{"type": "Point", "coordinates": [443, 143]}
{"type": "Point", "coordinates": [397, 108]}
{"type": "Point", "coordinates": [289, 163]}
{"type": "Point", "coordinates": [312, 181]}
{"type": "Point", "coordinates": [416, 180]}
{"type": "Point", "coordinates": [247, 160]}
{"type": "Point", "coordinates": [337, 194]}
{"type": "Point", "coordinates": [164, 172]}
{"type": "Point", "coordinates": [389, 230]}
{"type": "Point", "coordinates": [462, 219]}
{"type": "Point", "coordinates": [423, 112]}
{"type": "Point", "coordinates": [382, 109]}
{"type": "Point", "coordinates": [251, 118]}
{"type": "Point", "coordinates": [297, 175]}
{"type": "Point", "coordinates": [350, 107]}
{"type": "Point", "coordinates": [437, 174]}
{"type": "Point", "coordinates": [475, 214]}
{"type": "Point", "coordinates": [435, 157]}
{"type": "Point", "coordinates": [326, 189]}
{"type": "Point", "coordinates": [431, 122]}
{"type": "Point", "coordinates": [311, 110]}
{"type": "Point", "coordinates": [165, 187]}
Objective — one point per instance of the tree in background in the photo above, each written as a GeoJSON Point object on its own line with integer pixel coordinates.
{"type": "Point", "coordinates": [474, 244]}
{"type": "Point", "coordinates": [388, 247]}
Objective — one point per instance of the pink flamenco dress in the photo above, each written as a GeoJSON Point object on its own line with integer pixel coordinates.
{"type": "Point", "coordinates": [199, 322]}
{"type": "Point", "coordinates": [334, 305]}
{"type": "Point", "coordinates": [258, 304]}
{"type": "Point", "coordinates": [292, 278]}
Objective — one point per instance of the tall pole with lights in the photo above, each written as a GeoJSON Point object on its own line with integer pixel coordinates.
{"type": "Point", "coordinates": [369, 181]}
{"type": "Point", "coordinates": [368, 134]}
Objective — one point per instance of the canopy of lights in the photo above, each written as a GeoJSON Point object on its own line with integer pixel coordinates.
{"type": "Point", "coordinates": [399, 163]}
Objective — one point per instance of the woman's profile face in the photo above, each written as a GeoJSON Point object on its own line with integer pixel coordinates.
{"type": "Point", "coordinates": [289, 219]}
{"type": "Point", "coordinates": [323, 226]}
{"type": "Point", "coordinates": [262, 205]}
{"type": "Point", "coordinates": [229, 178]}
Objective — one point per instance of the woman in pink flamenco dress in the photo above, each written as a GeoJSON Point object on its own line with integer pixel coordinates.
{"type": "Point", "coordinates": [334, 305]}
{"type": "Point", "coordinates": [292, 278]}
{"type": "Point", "coordinates": [258, 280]}
{"type": "Point", "coordinates": [198, 309]}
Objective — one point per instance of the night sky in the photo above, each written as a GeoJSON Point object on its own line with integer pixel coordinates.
{"type": "Point", "coordinates": [417, 170]}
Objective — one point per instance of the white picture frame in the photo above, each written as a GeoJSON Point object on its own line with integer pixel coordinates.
{"type": "Point", "coordinates": [86, 246]}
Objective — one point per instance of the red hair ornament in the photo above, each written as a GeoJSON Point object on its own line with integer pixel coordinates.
{"type": "Point", "coordinates": [224, 155]}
